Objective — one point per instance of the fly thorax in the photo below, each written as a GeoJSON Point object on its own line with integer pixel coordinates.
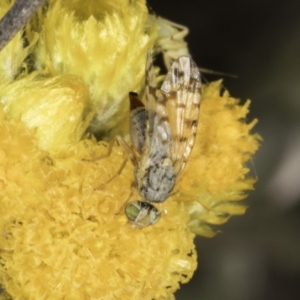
{"type": "Point", "coordinates": [158, 181]}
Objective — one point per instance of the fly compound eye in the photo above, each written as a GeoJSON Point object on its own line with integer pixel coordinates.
{"type": "Point", "coordinates": [142, 213]}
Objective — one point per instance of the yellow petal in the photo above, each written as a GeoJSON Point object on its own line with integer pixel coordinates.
{"type": "Point", "coordinates": [215, 179]}
{"type": "Point", "coordinates": [56, 107]}
{"type": "Point", "coordinates": [107, 49]}
{"type": "Point", "coordinates": [62, 239]}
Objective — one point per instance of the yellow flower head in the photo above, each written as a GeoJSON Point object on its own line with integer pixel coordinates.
{"type": "Point", "coordinates": [63, 237]}
{"type": "Point", "coordinates": [76, 38]}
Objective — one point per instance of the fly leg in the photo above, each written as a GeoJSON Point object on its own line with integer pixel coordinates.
{"type": "Point", "coordinates": [130, 155]}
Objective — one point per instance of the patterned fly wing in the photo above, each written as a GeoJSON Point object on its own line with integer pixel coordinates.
{"type": "Point", "coordinates": [163, 133]}
{"type": "Point", "coordinates": [172, 118]}
{"type": "Point", "coordinates": [181, 92]}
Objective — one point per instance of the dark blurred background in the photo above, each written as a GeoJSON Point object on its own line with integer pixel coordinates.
{"type": "Point", "coordinates": [257, 256]}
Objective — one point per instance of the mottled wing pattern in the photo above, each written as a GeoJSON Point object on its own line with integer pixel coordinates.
{"type": "Point", "coordinates": [181, 96]}
{"type": "Point", "coordinates": [169, 135]}
{"type": "Point", "coordinates": [158, 132]}
{"type": "Point", "coordinates": [173, 111]}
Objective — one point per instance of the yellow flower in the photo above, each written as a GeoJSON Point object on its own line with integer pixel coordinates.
{"type": "Point", "coordinates": [76, 38]}
{"type": "Point", "coordinates": [61, 237]}
{"type": "Point", "coordinates": [215, 179]}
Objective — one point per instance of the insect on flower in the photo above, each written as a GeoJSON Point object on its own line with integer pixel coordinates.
{"type": "Point", "coordinates": [171, 42]}
{"type": "Point", "coordinates": [163, 133]}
